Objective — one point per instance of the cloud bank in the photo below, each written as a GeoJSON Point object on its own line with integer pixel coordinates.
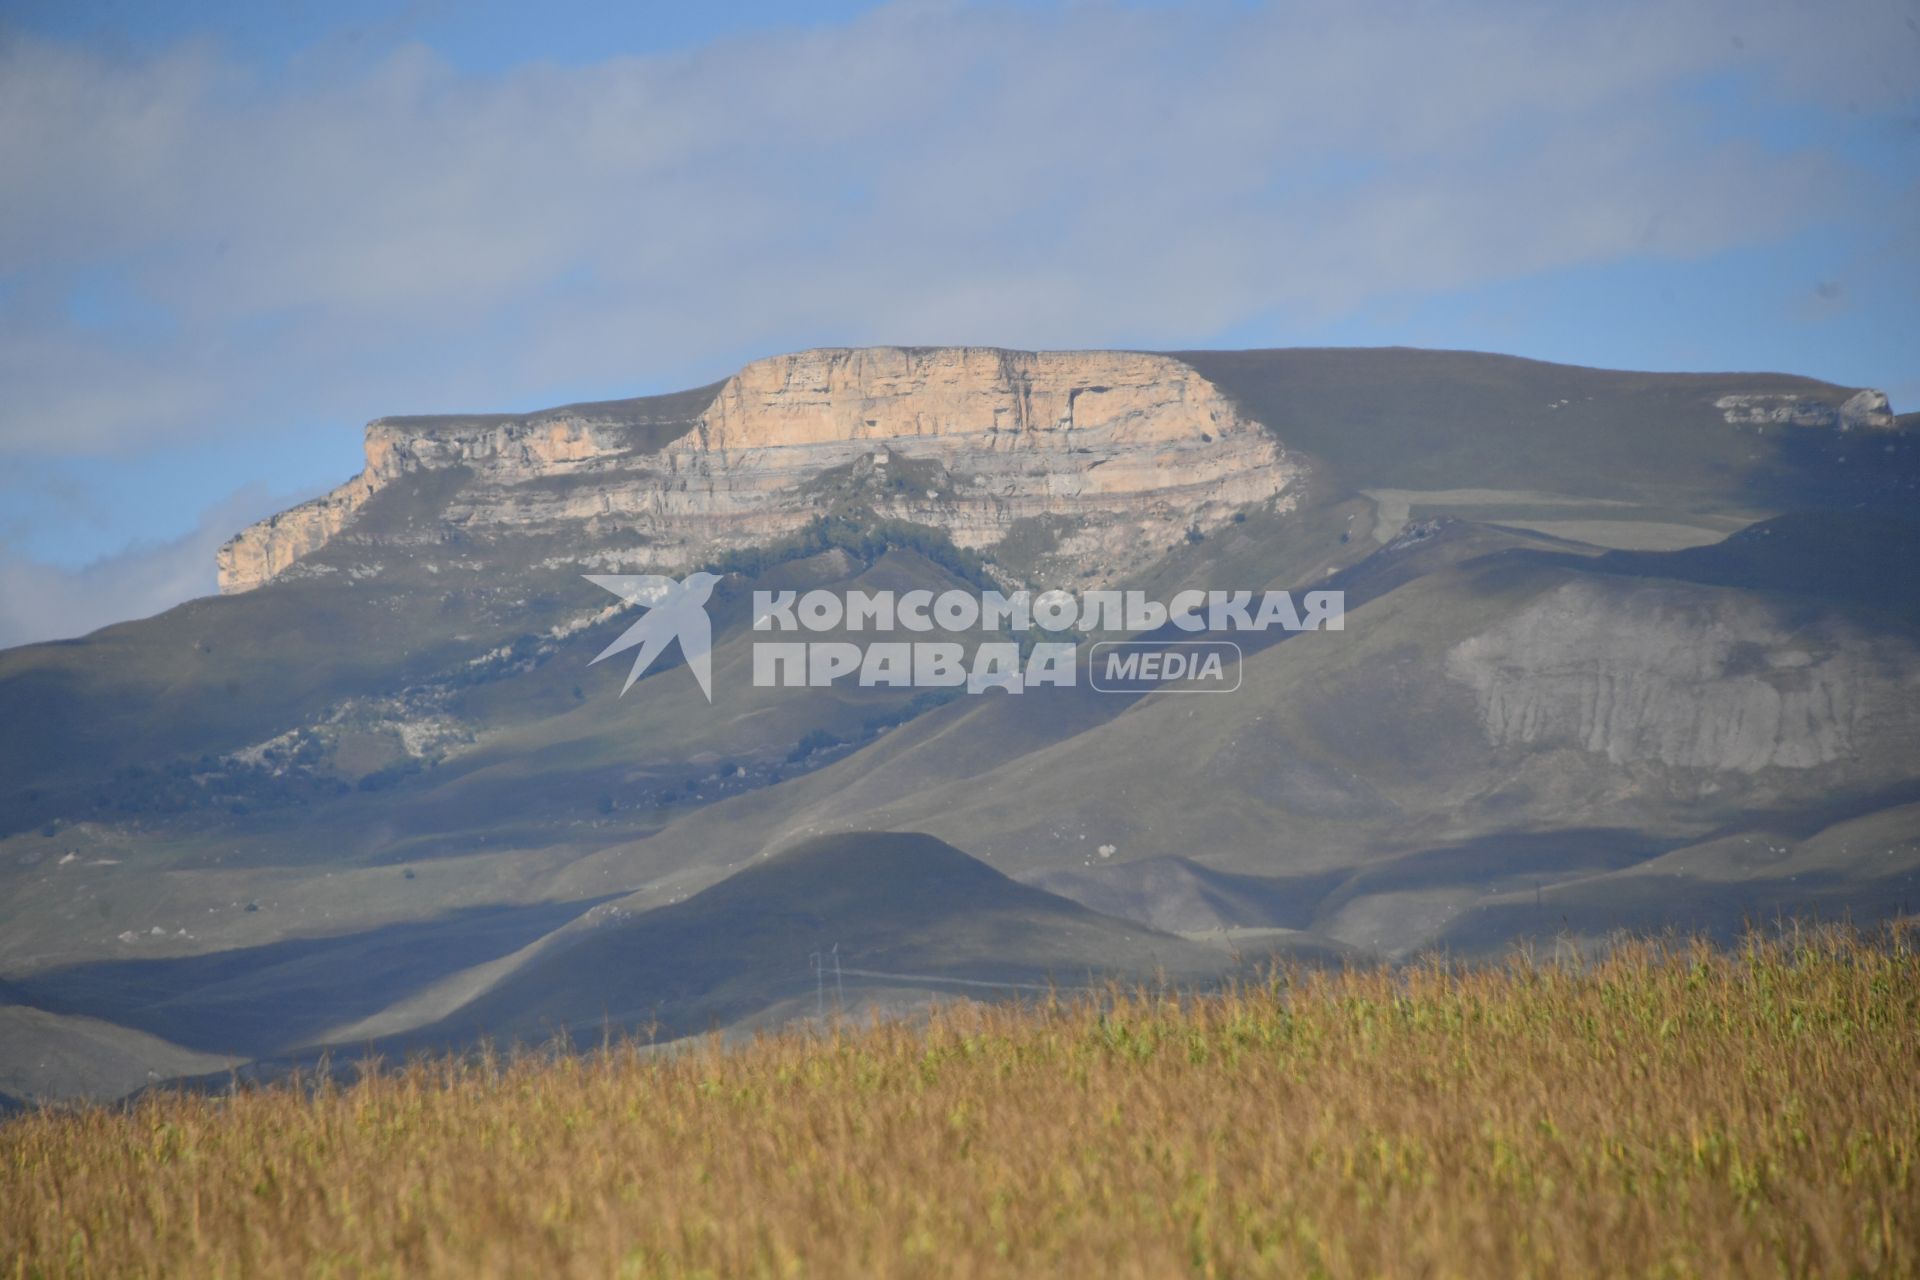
{"type": "Point", "coordinates": [40, 602]}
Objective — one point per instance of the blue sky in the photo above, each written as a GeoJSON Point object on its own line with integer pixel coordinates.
{"type": "Point", "coordinates": [234, 232]}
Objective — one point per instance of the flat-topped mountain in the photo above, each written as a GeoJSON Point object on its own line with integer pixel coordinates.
{"type": "Point", "coordinates": [1112, 457]}
{"type": "Point", "coordinates": [1087, 464]}
{"type": "Point", "coordinates": [1621, 650]}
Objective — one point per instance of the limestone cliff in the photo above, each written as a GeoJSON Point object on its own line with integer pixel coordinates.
{"type": "Point", "coordinates": [497, 448]}
{"type": "Point", "coordinates": [1116, 454]}
{"type": "Point", "coordinates": [268, 548]}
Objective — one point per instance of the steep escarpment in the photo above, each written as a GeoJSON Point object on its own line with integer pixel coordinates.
{"type": "Point", "coordinates": [1115, 456]}
{"type": "Point", "coordinates": [1079, 465]}
{"type": "Point", "coordinates": [498, 449]}
{"type": "Point", "coordinates": [1133, 449]}
{"type": "Point", "coordinates": [268, 548]}
{"type": "Point", "coordinates": [1656, 674]}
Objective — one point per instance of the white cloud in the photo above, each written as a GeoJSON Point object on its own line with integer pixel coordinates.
{"type": "Point", "coordinates": [43, 602]}
{"type": "Point", "coordinates": [412, 238]}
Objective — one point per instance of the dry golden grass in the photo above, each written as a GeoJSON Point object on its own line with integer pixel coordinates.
{"type": "Point", "coordinates": [1672, 1110]}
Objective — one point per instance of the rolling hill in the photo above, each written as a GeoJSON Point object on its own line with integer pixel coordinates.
{"type": "Point", "coordinates": [902, 912]}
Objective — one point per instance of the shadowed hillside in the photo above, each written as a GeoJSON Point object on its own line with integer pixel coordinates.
{"type": "Point", "coordinates": [906, 911]}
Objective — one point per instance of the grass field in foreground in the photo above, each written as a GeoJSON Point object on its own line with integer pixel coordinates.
{"type": "Point", "coordinates": [1670, 1110]}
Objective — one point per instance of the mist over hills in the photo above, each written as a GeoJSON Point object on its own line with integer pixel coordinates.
{"type": "Point", "coordinates": [1622, 651]}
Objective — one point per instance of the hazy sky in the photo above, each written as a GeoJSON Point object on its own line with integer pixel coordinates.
{"type": "Point", "coordinates": [233, 232]}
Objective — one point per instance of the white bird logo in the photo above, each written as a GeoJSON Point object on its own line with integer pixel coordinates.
{"type": "Point", "coordinates": [675, 610]}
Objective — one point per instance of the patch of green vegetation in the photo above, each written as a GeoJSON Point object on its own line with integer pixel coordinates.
{"type": "Point", "coordinates": [865, 540]}
{"type": "Point", "coordinates": [1030, 540]}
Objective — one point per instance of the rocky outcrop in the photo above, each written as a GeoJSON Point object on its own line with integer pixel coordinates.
{"type": "Point", "coordinates": [1131, 450]}
{"type": "Point", "coordinates": [1647, 674]}
{"type": "Point", "coordinates": [496, 448]}
{"type": "Point", "coordinates": [1115, 455]}
{"type": "Point", "coordinates": [268, 548]}
{"type": "Point", "coordinates": [1866, 410]}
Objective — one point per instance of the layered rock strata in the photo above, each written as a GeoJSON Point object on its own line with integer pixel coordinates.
{"type": "Point", "coordinates": [1113, 456]}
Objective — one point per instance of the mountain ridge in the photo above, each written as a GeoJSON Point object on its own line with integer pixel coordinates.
{"type": "Point", "coordinates": [1599, 637]}
{"type": "Point", "coordinates": [987, 394]}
